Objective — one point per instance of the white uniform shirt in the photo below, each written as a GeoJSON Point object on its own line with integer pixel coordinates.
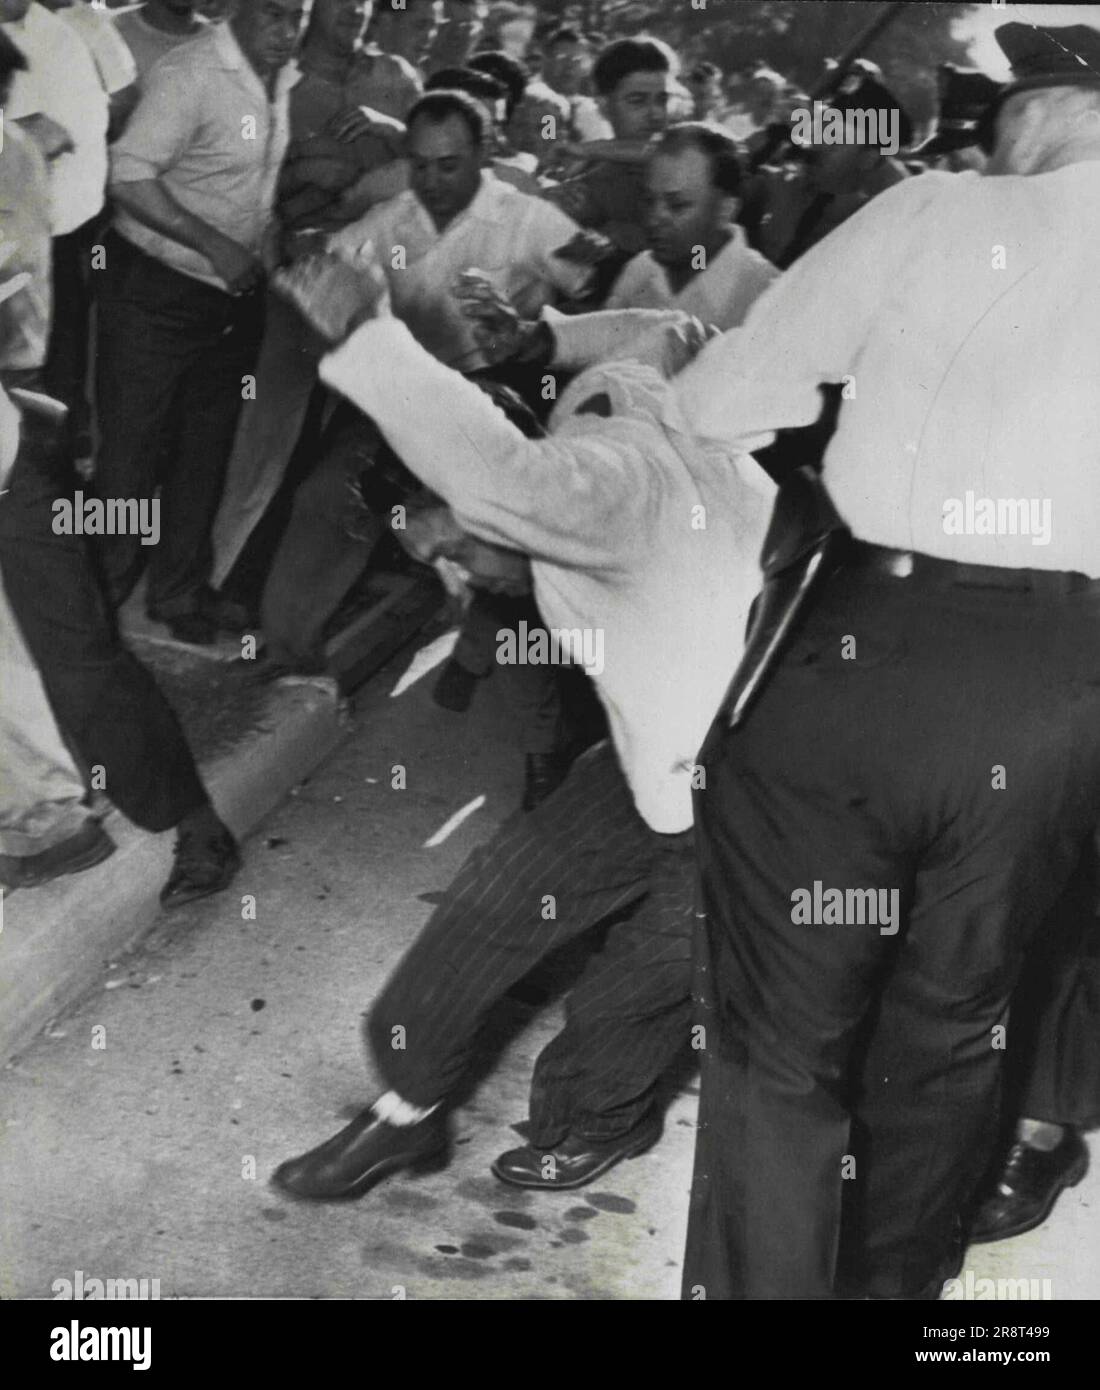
{"type": "Point", "coordinates": [965, 313]}
{"type": "Point", "coordinates": [509, 235]}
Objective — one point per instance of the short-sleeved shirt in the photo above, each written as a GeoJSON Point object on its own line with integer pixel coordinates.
{"type": "Point", "coordinates": [206, 129]}
{"type": "Point", "coordinates": [62, 83]}
{"type": "Point", "coordinates": [508, 235]}
{"type": "Point", "coordinates": [720, 295]}
{"type": "Point", "coordinates": [24, 225]}
{"type": "Point", "coordinates": [148, 44]}
{"type": "Point", "coordinates": [113, 59]}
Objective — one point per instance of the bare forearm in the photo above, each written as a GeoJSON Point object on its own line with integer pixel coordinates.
{"type": "Point", "coordinates": [374, 187]}
{"type": "Point", "coordinates": [150, 203]}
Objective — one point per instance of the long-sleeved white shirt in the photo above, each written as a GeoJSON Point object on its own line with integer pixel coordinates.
{"type": "Point", "coordinates": [632, 529]}
{"type": "Point", "coordinates": [965, 313]}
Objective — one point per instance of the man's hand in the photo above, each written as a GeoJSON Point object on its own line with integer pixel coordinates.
{"type": "Point", "coordinates": [51, 138]}
{"type": "Point", "coordinates": [333, 294]}
{"type": "Point", "coordinates": [586, 248]}
{"type": "Point", "coordinates": [239, 269]}
{"type": "Point", "coordinates": [500, 332]}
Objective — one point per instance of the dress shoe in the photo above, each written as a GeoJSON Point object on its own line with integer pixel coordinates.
{"type": "Point", "coordinates": [361, 1155]}
{"type": "Point", "coordinates": [207, 860]}
{"type": "Point", "coordinates": [543, 774]}
{"type": "Point", "coordinates": [1028, 1186]}
{"type": "Point", "coordinates": [89, 846]}
{"type": "Point", "coordinates": [455, 688]}
{"type": "Point", "coordinates": [576, 1160]}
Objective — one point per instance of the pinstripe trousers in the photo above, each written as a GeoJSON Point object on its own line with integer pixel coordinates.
{"type": "Point", "coordinates": [545, 879]}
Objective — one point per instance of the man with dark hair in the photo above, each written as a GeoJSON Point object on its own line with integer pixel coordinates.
{"type": "Point", "coordinates": [180, 306]}
{"type": "Point", "coordinates": [505, 69]}
{"type": "Point", "coordinates": [455, 215]}
{"type": "Point", "coordinates": [634, 81]}
{"type": "Point", "coordinates": [704, 82]}
{"type": "Point", "coordinates": [698, 259]}
{"type": "Point", "coordinates": [406, 28]}
{"type": "Point", "coordinates": [458, 35]}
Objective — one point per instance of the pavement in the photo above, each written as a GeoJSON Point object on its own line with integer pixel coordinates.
{"type": "Point", "coordinates": [140, 1130]}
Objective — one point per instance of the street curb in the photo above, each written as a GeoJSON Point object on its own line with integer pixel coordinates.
{"type": "Point", "coordinates": [56, 941]}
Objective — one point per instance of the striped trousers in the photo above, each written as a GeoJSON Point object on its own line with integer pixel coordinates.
{"type": "Point", "coordinates": [545, 879]}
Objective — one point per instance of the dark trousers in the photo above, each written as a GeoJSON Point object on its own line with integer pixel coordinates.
{"type": "Point", "coordinates": [833, 1042]}
{"type": "Point", "coordinates": [534, 692]}
{"type": "Point", "coordinates": [339, 514]}
{"type": "Point", "coordinates": [172, 354]}
{"type": "Point", "coordinates": [1055, 1061]}
{"type": "Point", "coordinates": [544, 880]}
{"type": "Point", "coordinates": [66, 368]}
{"type": "Point", "coordinates": [105, 702]}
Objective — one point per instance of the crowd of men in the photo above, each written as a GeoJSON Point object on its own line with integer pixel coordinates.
{"type": "Point", "coordinates": [697, 386]}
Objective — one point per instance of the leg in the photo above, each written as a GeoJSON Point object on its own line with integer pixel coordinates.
{"type": "Point", "coordinates": [143, 350]}
{"type": "Point", "coordinates": [876, 773]}
{"type": "Point", "coordinates": [628, 1017]}
{"type": "Point", "coordinates": [325, 548]}
{"type": "Point", "coordinates": [208, 401]}
{"type": "Point", "coordinates": [541, 882]}
{"type": "Point", "coordinates": [106, 702]}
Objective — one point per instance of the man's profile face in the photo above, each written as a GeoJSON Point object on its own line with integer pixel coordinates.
{"type": "Point", "coordinates": [411, 31]}
{"type": "Point", "coordinates": [638, 107]}
{"type": "Point", "coordinates": [444, 166]}
{"type": "Point", "coordinates": [683, 208]}
{"type": "Point", "coordinates": [267, 31]}
{"type": "Point", "coordinates": [340, 24]}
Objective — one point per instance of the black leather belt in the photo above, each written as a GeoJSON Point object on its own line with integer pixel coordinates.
{"type": "Point", "coordinates": [913, 564]}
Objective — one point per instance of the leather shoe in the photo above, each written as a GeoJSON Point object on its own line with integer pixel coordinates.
{"type": "Point", "coordinates": [364, 1152]}
{"type": "Point", "coordinates": [207, 860]}
{"type": "Point", "coordinates": [576, 1160]}
{"type": "Point", "coordinates": [1027, 1187]}
{"type": "Point", "coordinates": [455, 687]}
{"type": "Point", "coordinates": [89, 846]}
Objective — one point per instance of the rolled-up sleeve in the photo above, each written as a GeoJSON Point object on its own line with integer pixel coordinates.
{"type": "Point", "coordinates": [162, 128]}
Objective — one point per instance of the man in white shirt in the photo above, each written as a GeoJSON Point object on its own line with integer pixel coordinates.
{"type": "Point", "coordinates": [61, 103]}
{"type": "Point", "coordinates": [180, 305]}
{"type": "Point", "coordinates": [907, 800]}
{"type": "Point", "coordinates": [698, 259]}
{"type": "Point", "coordinates": [455, 216]}
{"type": "Point", "coordinates": [640, 536]}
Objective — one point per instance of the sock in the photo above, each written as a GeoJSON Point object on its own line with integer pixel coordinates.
{"type": "Point", "coordinates": [395, 1111]}
{"type": "Point", "coordinates": [1040, 1134]}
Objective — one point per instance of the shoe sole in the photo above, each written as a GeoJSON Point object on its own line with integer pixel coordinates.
{"type": "Point", "coordinates": [96, 855]}
{"type": "Point", "coordinates": [433, 1162]}
{"type": "Point", "coordinates": [636, 1151]}
{"type": "Point", "coordinates": [1070, 1179]}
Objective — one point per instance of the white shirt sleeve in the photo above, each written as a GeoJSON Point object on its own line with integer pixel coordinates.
{"type": "Point", "coordinates": [808, 327]}
{"type": "Point", "coordinates": [573, 500]}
